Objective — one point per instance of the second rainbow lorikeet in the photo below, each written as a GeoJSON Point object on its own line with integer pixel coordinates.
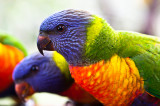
{"type": "Point", "coordinates": [50, 73]}
{"type": "Point", "coordinates": [114, 66]}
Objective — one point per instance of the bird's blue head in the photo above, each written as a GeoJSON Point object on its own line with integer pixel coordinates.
{"type": "Point", "coordinates": [41, 74]}
{"type": "Point", "coordinates": [65, 32]}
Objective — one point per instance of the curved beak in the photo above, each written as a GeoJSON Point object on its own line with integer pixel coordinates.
{"type": "Point", "coordinates": [23, 90]}
{"type": "Point", "coordinates": [44, 43]}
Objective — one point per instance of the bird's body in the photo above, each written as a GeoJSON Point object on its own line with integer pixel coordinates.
{"type": "Point", "coordinates": [127, 72]}
{"type": "Point", "coordinates": [114, 66]}
{"type": "Point", "coordinates": [10, 56]}
{"type": "Point", "coordinates": [11, 53]}
{"type": "Point", "coordinates": [37, 73]}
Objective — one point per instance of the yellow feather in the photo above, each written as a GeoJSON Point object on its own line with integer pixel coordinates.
{"type": "Point", "coordinates": [94, 30]}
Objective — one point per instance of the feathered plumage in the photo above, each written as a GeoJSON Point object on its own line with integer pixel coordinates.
{"type": "Point", "coordinates": [50, 73]}
{"type": "Point", "coordinates": [114, 66]}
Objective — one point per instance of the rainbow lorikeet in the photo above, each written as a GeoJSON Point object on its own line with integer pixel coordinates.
{"type": "Point", "coordinates": [50, 73]}
{"type": "Point", "coordinates": [114, 66]}
{"type": "Point", "coordinates": [11, 53]}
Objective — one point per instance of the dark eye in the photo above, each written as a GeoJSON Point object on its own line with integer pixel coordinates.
{"type": "Point", "coordinates": [35, 68]}
{"type": "Point", "coordinates": [60, 28]}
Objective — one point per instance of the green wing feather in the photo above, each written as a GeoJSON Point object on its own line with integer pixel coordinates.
{"type": "Point", "coordinates": [144, 50]}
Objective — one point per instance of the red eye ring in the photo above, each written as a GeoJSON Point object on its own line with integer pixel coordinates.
{"type": "Point", "coordinates": [60, 28]}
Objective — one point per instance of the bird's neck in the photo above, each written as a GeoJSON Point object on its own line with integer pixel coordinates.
{"type": "Point", "coordinates": [101, 42]}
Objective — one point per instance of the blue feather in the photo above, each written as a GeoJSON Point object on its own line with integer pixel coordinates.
{"type": "Point", "coordinates": [48, 77]}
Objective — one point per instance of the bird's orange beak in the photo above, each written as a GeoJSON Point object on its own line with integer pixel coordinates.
{"type": "Point", "coordinates": [23, 90]}
{"type": "Point", "coordinates": [44, 43]}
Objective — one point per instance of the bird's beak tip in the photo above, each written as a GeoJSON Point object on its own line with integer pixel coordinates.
{"type": "Point", "coordinates": [40, 49]}
{"type": "Point", "coordinates": [44, 43]}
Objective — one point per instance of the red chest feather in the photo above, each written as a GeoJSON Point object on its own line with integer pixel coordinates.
{"type": "Point", "coordinates": [115, 82]}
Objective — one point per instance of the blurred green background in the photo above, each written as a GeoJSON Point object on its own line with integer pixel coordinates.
{"type": "Point", "coordinates": [22, 18]}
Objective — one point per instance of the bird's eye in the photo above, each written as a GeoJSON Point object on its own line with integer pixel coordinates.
{"type": "Point", "coordinates": [60, 28]}
{"type": "Point", "coordinates": [34, 68]}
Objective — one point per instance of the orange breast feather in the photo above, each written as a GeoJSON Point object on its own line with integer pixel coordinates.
{"type": "Point", "coordinates": [9, 57]}
{"type": "Point", "coordinates": [115, 82]}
